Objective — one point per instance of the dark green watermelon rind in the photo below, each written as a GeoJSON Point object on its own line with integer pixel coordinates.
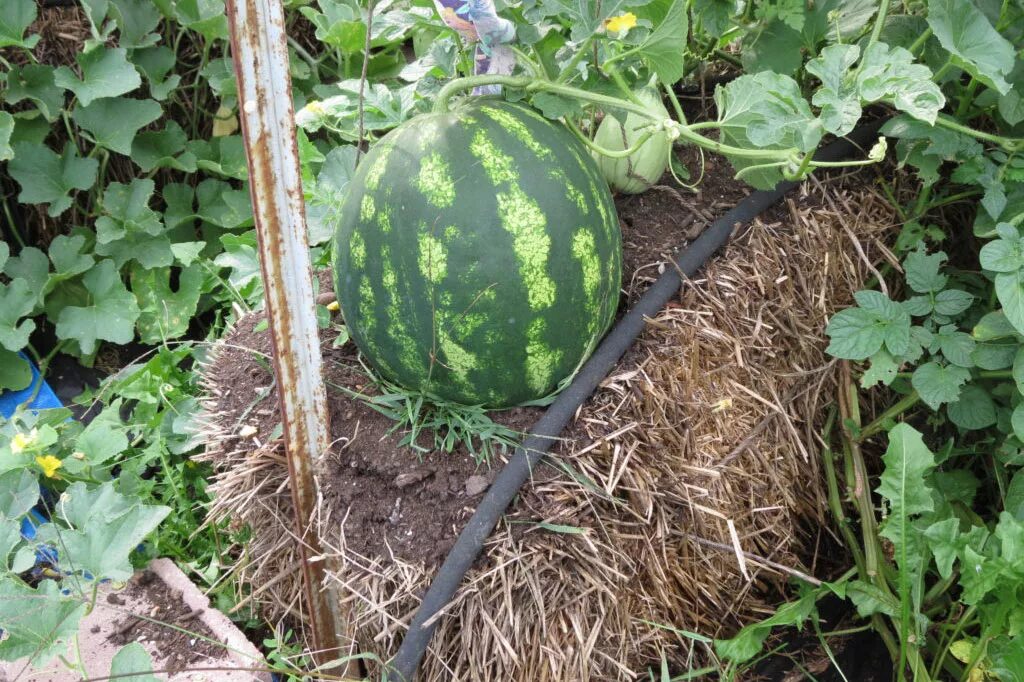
{"type": "Point", "coordinates": [530, 200]}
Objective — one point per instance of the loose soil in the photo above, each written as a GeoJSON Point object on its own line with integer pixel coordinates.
{"type": "Point", "coordinates": [393, 500]}
{"type": "Point", "coordinates": [179, 634]}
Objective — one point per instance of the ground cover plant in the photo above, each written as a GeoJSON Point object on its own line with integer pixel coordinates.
{"type": "Point", "coordinates": [127, 221]}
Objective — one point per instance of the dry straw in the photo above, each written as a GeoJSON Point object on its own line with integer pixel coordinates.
{"type": "Point", "coordinates": [696, 493]}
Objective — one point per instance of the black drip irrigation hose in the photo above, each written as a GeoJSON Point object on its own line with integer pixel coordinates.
{"type": "Point", "coordinates": [545, 432]}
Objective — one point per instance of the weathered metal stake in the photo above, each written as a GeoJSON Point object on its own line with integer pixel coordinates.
{"type": "Point", "coordinates": [260, 50]}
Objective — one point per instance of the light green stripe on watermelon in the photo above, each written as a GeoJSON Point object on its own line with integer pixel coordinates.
{"type": "Point", "coordinates": [433, 259]}
{"type": "Point", "coordinates": [456, 358]}
{"type": "Point", "coordinates": [517, 129]}
{"type": "Point", "coordinates": [376, 171]}
{"type": "Point", "coordinates": [366, 302]}
{"type": "Point", "coordinates": [384, 220]}
{"type": "Point", "coordinates": [574, 193]}
{"type": "Point", "coordinates": [357, 249]}
{"type": "Point", "coordinates": [398, 329]}
{"type": "Point", "coordinates": [522, 217]}
{"type": "Point", "coordinates": [366, 208]}
{"type": "Point", "coordinates": [500, 168]}
{"type": "Point", "coordinates": [584, 249]}
{"type": "Point", "coordinates": [541, 359]}
{"type": "Point", "coordinates": [435, 181]}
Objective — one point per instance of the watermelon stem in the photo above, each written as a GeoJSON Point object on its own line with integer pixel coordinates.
{"type": "Point", "coordinates": [536, 84]}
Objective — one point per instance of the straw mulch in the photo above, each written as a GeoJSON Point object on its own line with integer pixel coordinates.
{"type": "Point", "coordinates": [695, 493]}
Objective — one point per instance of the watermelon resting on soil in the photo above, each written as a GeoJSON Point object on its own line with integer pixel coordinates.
{"type": "Point", "coordinates": [478, 255]}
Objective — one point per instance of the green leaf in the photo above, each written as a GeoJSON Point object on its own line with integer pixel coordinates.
{"type": "Point", "coordinates": [856, 334]}
{"type": "Point", "coordinates": [223, 156]}
{"type": "Point", "coordinates": [19, 492]}
{"type": "Point", "coordinates": [765, 110]}
{"type": "Point", "coordinates": [1010, 292]}
{"type": "Point", "coordinates": [136, 19]}
{"type": "Point", "coordinates": [586, 16]}
{"type": "Point", "coordinates": [47, 178]}
{"type": "Point", "coordinates": [114, 122]}
{"type": "Point", "coordinates": [35, 82]}
{"type": "Point", "coordinates": [1017, 421]}
{"type": "Point", "coordinates": [882, 370]}
{"type": "Point", "coordinates": [1006, 658]}
{"type": "Point", "coordinates": [1013, 503]}
{"type": "Point", "coordinates": [956, 346]}
{"type": "Point", "coordinates": [938, 384]}
{"type": "Point", "coordinates": [37, 623]}
{"type": "Point", "coordinates": [17, 300]}
{"type": "Point", "coordinates": [944, 540]}
{"type": "Point", "coordinates": [15, 18]}
{"type": "Point", "coordinates": [10, 537]}
{"type": "Point", "coordinates": [903, 483]}
{"type": "Point", "coordinates": [339, 25]}
{"type": "Point", "coordinates": [1005, 254]}
{"type": "Point", "coordinates": [105, 528]}
{"type": "Point", "coordinates": [166, 313]}
{"type": "Point", "coordinates": [110, 317]}
{"type": "Point", "coordinates": [1011, 104]}
{"type": "Point", "coordinates": [922, 271]}
{"type": "Point", "coordinates": [869, 599]}
{"type": "Point", "coordinates": [15, 371]}
{"type": "Point", "coordinates": [240, 255]}
{"type": "Point", "coordinates": [6, 128]}
{"type": "Point", "coordinates": [163, 149]}
{"type": "Point", "coordinates": [203, 16]}
{"type": "Point", "coordinates": [748, 642]}
{"type": "Point", "coordinates": [772, 49]}
{"type": "Point", "coordinates": [221, 205]}
{"type": "Point", "coordinates": [130, 229]}
{"type": "Point", "coordinates": [556, 107]}
{"type": "Point", "coordinates": [839, 102]}
{"type": "Point", "coordinates": [155, 63]}
{"type": "Point", "coordinates": [69, 258]}
{"type": "Point", "coordinates": [661, 47]}
{"type": "Point", "coordinates": [132, 658]}
{"type": "Point", "coordinates": [972, 42]}
{"type": "Point", "coordinates": [187, 253]}
{"type": "Point", "coordinates": [890, 75]}
{"type": "Point", "coordinates": [974, 410]}
{"type": "Point", "coordinates": [32, 266]}
{"type": "Point", "coordinates": [105, 73]}
{"type": "Point", "coordinates": [105, 437]}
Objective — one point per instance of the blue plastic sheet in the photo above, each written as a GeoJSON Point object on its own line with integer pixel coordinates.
{"type": "Point", "coordinates": [45, 398]}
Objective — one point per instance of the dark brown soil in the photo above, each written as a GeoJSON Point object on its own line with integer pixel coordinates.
{"type": "Point", "coordinates": [392, 499]}
{"type": "Point", "coordinates": [180, 635]}
{"type": "Point", "coordinates": [658, 222]}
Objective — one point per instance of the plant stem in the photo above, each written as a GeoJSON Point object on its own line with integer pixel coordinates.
{"type": "Point", "coordinates": [534, 85]}
{"type": "Point", "coordinates": [883, 11]}
{"type": "Point", "coordinates": [1008, 143]}
{"type": "Point", "coordinates": [920, 41]}
{"type": "Point", "coordinates": [894, 411]}
{"type": "Point", "coordinates": [835, 502]}
{"type": "Point", "coordinates": [608, 152]}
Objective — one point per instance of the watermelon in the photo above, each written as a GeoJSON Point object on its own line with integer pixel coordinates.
{"type": "Point", "coordinates": [478, 254]}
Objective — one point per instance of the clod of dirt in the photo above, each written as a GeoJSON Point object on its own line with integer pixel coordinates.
{"type": "Point", "coordinates": [476, 485]}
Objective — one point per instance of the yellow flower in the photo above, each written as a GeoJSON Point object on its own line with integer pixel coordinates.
{"type": "Point", "coordinates": [334, 306]}
{"type": "Point", "coordinates": [21, 441]}
{"type": "Point", "coordinates": [49, 464]}
{"type": "Point", "coordinates": [623, 22]}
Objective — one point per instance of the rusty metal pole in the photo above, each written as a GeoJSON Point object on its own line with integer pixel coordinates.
{"type": "Point", "coordinates": [260, 50]}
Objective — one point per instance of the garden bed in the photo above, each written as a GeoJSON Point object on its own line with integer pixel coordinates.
{"type": "Point", "coordinates": [700, 444]}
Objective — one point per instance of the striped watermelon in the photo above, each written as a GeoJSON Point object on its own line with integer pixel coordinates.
{"type": "Point", "coordinates": [478, 256]}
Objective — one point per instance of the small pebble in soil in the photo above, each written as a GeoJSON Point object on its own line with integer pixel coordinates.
{"type": "Point", "coordinates": [475, 485]}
